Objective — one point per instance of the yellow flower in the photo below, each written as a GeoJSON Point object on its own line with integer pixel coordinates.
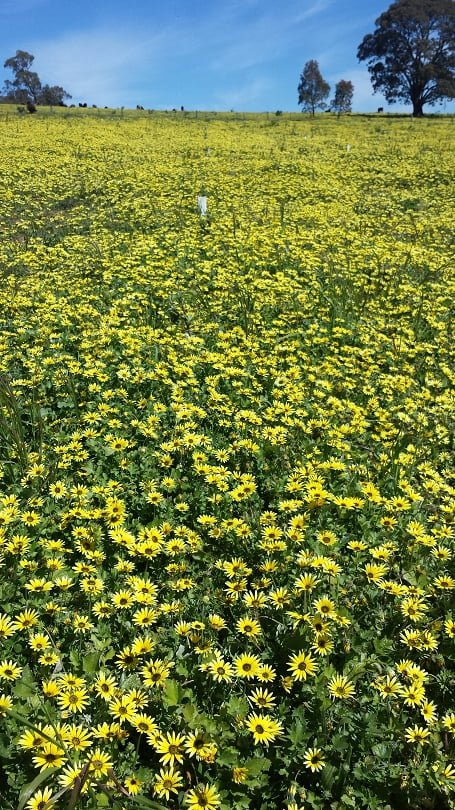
{"type": "Point", "coordinates": [133, 785]}
{"type": "Point", "coordinates": [413, 695]}
{"type": "Point", "coordinates": [105, 686]}
{"type": "Point", "coordinates": [428, 711]}
{"type": "Point", "coordinates": [375, 572]}
{"type": "Point", "coordinates": [266, 674]}
{"type": "Point", "coordinates": [313, 759]}
{"type": "Point", "coordinates": [77, 737]}
{"type": "Point", "coordinates": [50, 756]}
{"type": "Point", "coordinates": [122, 600]}
{"type": "Point", "coordinates": [31, 739]}
{"type": "Point", "coordinates": [249, 627]}
{"type": "Point", "coordinates": [123, 708]}
{"type": "Point", "coordinates": [50, 688]}
{"type": "Point", "coordinates": [306, 583]}
{"type": "Point", "coordinates": [326, 607]}
{"type": "Point", "coordinates": [38, 642]}
{"type": "Point", "coordinates": [263, 728]}
{"type": "Point", "coordinates": [262, 698]}
{"type": "Point", "coordinates": [340, 687]}
{"type": "Point", "coordinates": [414, 608]}
{"type": "Point", "coordinates": [9, 671]}
{"type": "Point", "coordinates": [144, 724]}
{"type": "Point", "coordinates": [197, 744]}
{"type": "Point", "coordinates": [40, 800]}
{"type": "Point", "coordinates": [301, 665]}
{"type": "Point", "coordinates": [170, 746]}
{"type": "Point", "coordinates": [239, 775]}
{"type": "Point", "coordinates": [389, 687]}
{"type": "Point", "coordinates": [220, 670]}
{"type": "Point", "coordinates": [167, 782]}
{"type": "Point", "coordinates": [155, 673]}
{"type": "Point", "coordinates": [26, 619]}
{"type": "Point", "coordinates": [204, 796]}
{"type": "Point", "coordinates": [444, 582]}
{"type": "Point", "coordinates": [417, 734]}
{"type": "Point", "coordinates": [247, 666]}
{"type": "Point", "coordinates": [323, 644]}
{"type": "Point", "coordinates": [75, 700]}
{"type": "Point", "coordinates": [6, 704]}
{"type": "Point", "coordinates": [99, 763]}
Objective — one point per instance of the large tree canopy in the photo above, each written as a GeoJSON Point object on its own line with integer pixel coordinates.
{"type": "Point", "coordinates": [411, 54]}
{"type": "Point", "coordinates": [26, 86]}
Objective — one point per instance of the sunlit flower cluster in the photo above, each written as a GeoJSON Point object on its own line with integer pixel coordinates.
{"type": "Point", "coordinates": [226, 494]}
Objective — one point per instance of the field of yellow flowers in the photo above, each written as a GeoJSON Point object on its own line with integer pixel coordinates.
{"type": "Point", "coordinates": [226, 494]}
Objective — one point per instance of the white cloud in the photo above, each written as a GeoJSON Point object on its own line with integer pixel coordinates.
{"type": "Point", "coordinates": [253, 45]}
{"type": "Point", "coordinates": [363, 91]}
{"type": "Point", "coordinates": [261, 40]}
{"type": "Point", "coordinates": [99, 66]}
{"type": "Point", "coordinates": [104, 66]}
{"type": "Point", "coordinates": [315, 8]}
{"type": "Point", "coordinates": [232, 54]}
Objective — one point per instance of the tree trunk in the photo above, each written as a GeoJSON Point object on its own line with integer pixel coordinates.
{"type": "Point", "coordinates": [417, 108]}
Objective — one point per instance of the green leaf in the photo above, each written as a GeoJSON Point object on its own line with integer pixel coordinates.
{"type": "Point", "coordinates": [328, 776]}
{"type": "Point", "coordinates": [5, 751]}
{"type": "Point", "coordinates": [90, 662]}
{"type": "Point", "coordinates": [102, 800]}
{"type": "Point", "coordinates": [29, 789]}
{"type": "Point", "coordinates": [189, 713]}
{"type": "Point", "coordinates": [296, 732]}
{"type": "Point", "coordinates": [172, 693]}
{"type": "Point", "coordinates": [380, 750]}
{"type": "Point", "coordinates": [340, 743]}
{"type": "Point", "coordinates": [237, 707]}
{"type": "Point", "coordinates": [23, 689]}
{"type": "Point", "coordinates": [256, 765]}
{"type": "Point", "coordinates": [146, 804]}
{"type": "Point", "coordinates": [241, 803]}
{"type": "Point", "coordinates": [228, 757]}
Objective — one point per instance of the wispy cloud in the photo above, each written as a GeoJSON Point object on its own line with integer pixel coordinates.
{"type": "Point", "coordinates": [100, 65]}
{"type": "Point", "coordinates": [270, 35]}
{"type": "Point", "coordinates": [244, 94]}
{"type": "Point", "coordinates": [103, 64]}
{"type": "Point", "coordinates": [316, 8]}
{"type": "Point", "coordinates": [363, 91]}
{"type": "Point", "coordinates": [234, 53]}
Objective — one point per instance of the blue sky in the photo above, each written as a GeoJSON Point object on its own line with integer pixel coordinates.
{"type": "Point", "coordinates": [203, 54]}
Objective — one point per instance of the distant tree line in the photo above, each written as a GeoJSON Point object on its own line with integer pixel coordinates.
{"type": "Point", "coordinates": [410, 57]}
{"type": "Point", "coordinates": [25, 87]}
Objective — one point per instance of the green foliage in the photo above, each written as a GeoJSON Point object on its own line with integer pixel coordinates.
{"type": "Point", "coordinates": [26, 87]}
{"type": "Point", "coordinates": [411, 54]}
{"type": "Point", "coordinates": [312, 89]}
{"type": "Point", "coordinates": [342, 100]}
